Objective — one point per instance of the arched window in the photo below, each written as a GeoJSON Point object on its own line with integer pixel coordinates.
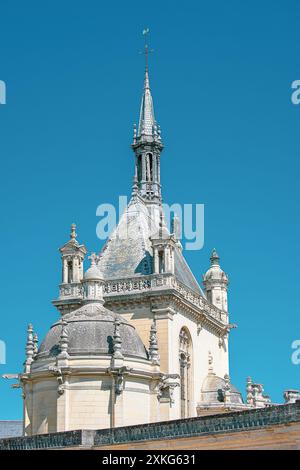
{"type": "Point", "coordinates": [185, 358]}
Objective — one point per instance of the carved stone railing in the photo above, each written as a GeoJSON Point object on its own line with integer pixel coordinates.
{"type": "Point", "coordinates": [147, 283]}
{"type": "Point", "coordinates": [165, 281]}
{"type": "Point", "coordinates": [73, 290]}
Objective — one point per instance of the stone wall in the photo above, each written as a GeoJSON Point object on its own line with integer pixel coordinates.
{"type": "Point", "coordinates": [273, 427]}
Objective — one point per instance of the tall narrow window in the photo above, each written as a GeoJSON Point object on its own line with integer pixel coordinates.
{"type": "Point", "coordinates": [161, 264]}
{"type": "Point", "coordinates": [70, 272]}
{"type": "Point", "coordinates": [139, 168]}
{"type": "Point", "coordinates": [149, 165]}
{"type": "Point", "coordinates": [185, 351]}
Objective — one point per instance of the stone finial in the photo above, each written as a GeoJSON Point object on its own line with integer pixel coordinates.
{"type": "Point", "coordinates": [35, 344]}
{"type": "Point", "coordinates": [134, 187]}
{"type": "Point", "coordinates": [175, 227]}
{"type": "Point", "coordinates": [210, 363]}
{"type": "Point", "coordinates": [214, 258]}
{"type": "Point", "coordinates": [153, 347]}
{"type": "Point", "coordinates": [29, 348]}
{"type": "Point", "coordinates": [134, 134]}
{"type": "Point", "coordinates": [93, 258]}
{"type": "Point", "coordinates": [117, 341]}
{"type": "Point", "coordinates": [159, 132]}
{"type": "Point", "coordinates": [64, 340]}
{"type": "Point", "coordinates": [227, 389]}
{"type": "Point", "coordinates": [249, 391]}
{"type": "Point", "coordinates": [73, 234]}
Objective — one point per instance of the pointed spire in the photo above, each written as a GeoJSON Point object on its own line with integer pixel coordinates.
{"type": "Point", "coordinates": [117, 341]}
{"type": "Point", "coordinates": [147, 118]}
{"type": "Point", "coordinates": [153, 347]}
{"type": "Point", "coordinates": [147, 144]}
{"type": "Point", "coordinates": [29, 348]}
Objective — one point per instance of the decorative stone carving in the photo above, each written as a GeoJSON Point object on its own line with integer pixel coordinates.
{"type": "Point", "coordinates": [29, 349]}
{"type": "Point", "coordinates": [227, 389]}
{"type": "Point", "coordinates": [166, 386]}
{"type": "Point", "coordinates": [255, 396]}
{"type": "Point", "coordinates": [63, 342]}
{"type": "Point", "coordinates": [153, 348]}
{"type": "Point", "coordinates": [35, 345]}
{"type": "Point", "coordinates": [117, 341]}
{"type": "Point", "coordinates": [119, 383]}
{"type": "Point", "coordinates": [56, 371]}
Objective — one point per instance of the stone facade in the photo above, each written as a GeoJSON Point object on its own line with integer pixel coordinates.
{"type": "Point", "coordinates": [138, 340]}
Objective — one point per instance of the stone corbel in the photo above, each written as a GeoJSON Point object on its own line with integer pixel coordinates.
{"type": "Point", "coordinates": [166, 386]}
{"type": "Point", "coordinates": [56, 371]}
{"type": "Point", "coordinates": [224, 333]}
{"type": "Point", "coordinates": [119, 374]}
{"type": "Point", "coordinates": [119, 383]}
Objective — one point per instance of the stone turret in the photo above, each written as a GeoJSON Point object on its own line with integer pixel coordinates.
{"type": "Point", "coordinates": [70, 289]}
{"type": "Point", "coordinates": [215, 283]}
{"type": "Point", "coordinates": [163, 246]}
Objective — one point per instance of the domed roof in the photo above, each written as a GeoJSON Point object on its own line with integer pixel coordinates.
{"type": "Point", "coordinates": [213, 390]}
{"type": "Point", "coordinates": [92, 273]}
{"type": "Point", "coordinates": [215, 273]}
{"type": "Point", "coordinates": [90, 331]}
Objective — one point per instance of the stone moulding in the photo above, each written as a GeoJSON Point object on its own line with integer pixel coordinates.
{"type": "Point", "coordinates": [129, 287]}
{"type": "Point", "coordinates": [215, 424]}
{"type": "Point", "coordinates": [154, 283]}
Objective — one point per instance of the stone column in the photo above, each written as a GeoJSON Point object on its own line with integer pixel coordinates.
{"type": "Point", "coordinates": [65, 271]}
{"type": "Point", "coordinates": [156, 260]}
{"type": "Point", "coordinates": [75, 269]}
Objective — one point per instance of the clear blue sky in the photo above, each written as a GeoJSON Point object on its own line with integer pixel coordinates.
{"type": "Point", "coordinates": [221, 76]}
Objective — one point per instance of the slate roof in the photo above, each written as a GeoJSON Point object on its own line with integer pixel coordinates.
{"type": "Point", "coordinates": [90, 330]}
{"type": "Point", "coordinates": [128, 252]}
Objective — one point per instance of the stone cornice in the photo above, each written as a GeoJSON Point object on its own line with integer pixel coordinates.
{"type": "Point", "coordinates": [164, 287]}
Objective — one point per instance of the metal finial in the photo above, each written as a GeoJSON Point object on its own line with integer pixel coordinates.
{"type": "Point", "coordinates": [73, 234]}
{"type": "Point", "coordinates": [147, 50]}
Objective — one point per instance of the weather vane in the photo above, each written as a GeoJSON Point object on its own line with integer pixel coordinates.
{"type": "Point", "coordinates": [147, 50]}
